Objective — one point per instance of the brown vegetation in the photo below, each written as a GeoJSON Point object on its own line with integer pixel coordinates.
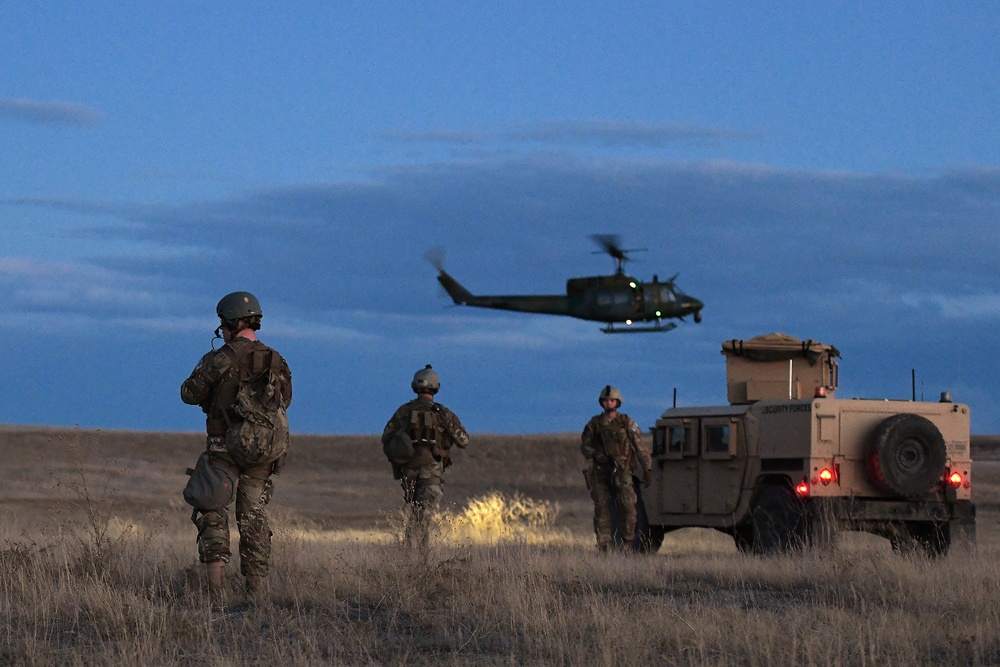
{"type": "Point", "coordinates": [98, 566]}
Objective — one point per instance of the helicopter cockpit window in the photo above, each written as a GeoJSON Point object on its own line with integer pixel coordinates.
{"type": "Point", "coordinates": [622, 297]}
{"type": "Point", "coordinates": [603, 299]}
{"type": "Point", "coordinates": [666, 295]}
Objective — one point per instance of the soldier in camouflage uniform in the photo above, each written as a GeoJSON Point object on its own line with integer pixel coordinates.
{"type": "Point", "coordinates": [236, 441]}
{"type": "Point", "coordinates": [432, 430]}
{"type": "Point", "coordinates": [612, 443]}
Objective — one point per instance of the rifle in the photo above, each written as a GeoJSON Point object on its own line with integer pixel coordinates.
{"type": "Point", "coordinates": [608, 457]}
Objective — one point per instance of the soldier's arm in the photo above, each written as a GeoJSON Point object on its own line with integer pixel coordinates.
{"type": "Point", "coordinates": [459, 436]}
{"type": "Point", "coordinates": [643, 454]}
{"type": "Point", "coordinates": [587, 441]}
{"type": "Point", "coordinates": [197, 389]}
{"type": "Point", "coordinates": [392, 426]}
{"type": "Point", "coordinates": [286, 382]}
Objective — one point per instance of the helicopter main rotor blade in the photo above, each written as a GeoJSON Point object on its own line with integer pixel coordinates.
{"type": "Point", "coordinates": [610, 244]}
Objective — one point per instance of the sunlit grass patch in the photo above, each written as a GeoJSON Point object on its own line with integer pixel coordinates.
{"type": "Point", "coordinates": [497, 517]}
{"type": "Point", "coordinates": [488, 519]}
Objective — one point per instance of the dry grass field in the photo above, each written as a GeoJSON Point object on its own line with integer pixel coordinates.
{"type": "Point", "coordinates": [98, 565]}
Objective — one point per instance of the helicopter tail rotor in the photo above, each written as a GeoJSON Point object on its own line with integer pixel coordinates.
{"type": "Point", "coordinates": [435, 257]}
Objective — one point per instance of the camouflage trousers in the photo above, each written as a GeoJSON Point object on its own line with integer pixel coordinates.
{"type": "Point", "coordinates": [423, 489]}
{"type": "Point", "coordinates": [253, 492]}
{"type": "Point", "coordinates": [612, 491]}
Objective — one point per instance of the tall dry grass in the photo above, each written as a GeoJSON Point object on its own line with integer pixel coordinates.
{"type": "Point", "coordinates": [520, 592]}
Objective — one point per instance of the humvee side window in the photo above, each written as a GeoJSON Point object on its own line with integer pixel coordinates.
{"type": "Point", "coordinates": [675, 441]}
{"type": "Point", "coordinates": [717, 439]}
{"type": "Point", "coordinates": [659, 441]}
{"type": "Point", "coordinates": [685, 443]}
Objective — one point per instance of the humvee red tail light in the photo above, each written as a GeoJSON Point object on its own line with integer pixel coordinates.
{"type": "Point", "coordinates": [956, 480]}
{"type": "Point", "coordinates": [825, 476]}
{"type": "Point", "coordinates": [802, 489]}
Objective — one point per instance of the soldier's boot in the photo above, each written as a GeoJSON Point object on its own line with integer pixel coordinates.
{"type": "Point", "coordinates": [256, 589]}
{"type": "Point", "coordinates": [628, 543]}
{"type": "Point", "coordinates": [216, 579]}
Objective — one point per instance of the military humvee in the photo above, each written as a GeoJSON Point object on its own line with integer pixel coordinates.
{"type": "Point", "coordinates": [787, 465]}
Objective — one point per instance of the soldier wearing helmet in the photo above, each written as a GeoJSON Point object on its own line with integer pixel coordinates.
{"type": "Point", "coordinates": [244, 388]}
{"type": "Point", "coordinates": [418, 441]}
{"type": "Point", "coordinates": [612, 444]}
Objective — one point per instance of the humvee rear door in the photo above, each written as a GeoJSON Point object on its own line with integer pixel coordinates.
{"type": "Point", "coordinates": [675, 452]}
{"type": "Point", "coordinates": [721, 465]}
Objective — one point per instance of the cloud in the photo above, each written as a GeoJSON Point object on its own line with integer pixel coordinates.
{"type": "Point", "coordinates": [979, 306]}
{"type": "Point", "coordinates": [520, 225]}
{"type": "Point", "coordinates": [50, 113]}
{"type": "Point", "coordinates": [582, 132]}
{"type": "Point", "coordinates": [877, 264]}
{"type": "Point", "coordinates": [70, 288]}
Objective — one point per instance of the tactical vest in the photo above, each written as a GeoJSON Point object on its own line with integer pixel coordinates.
{"type": "Point", "coordinates": [425, 428]}
{"type": "Point", "coordinates": [615, 437]}
{"type": "Point", "coordinates": [250, 360]}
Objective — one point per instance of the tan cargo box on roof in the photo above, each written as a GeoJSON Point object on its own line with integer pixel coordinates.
{"type": "Point", "coordinates": [777, 366]}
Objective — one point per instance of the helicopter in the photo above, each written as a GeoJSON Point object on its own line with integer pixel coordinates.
{"type": "Point", "coordinates": [617, 299]}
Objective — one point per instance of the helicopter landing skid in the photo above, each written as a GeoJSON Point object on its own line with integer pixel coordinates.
{"type": "Point", "coordinates": [610, 329]}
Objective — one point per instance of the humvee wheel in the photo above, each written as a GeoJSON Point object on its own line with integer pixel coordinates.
{"type": "Point", "coordinates": [743, 536]}
{"type": "Point", "coordinates": [932, 539]}
{"type": "Point", "coordinates": [649, 540]}
{"type": "Point", "coordinates": [907, 455]}
{"type": "Point", "coordinates": [777, 520]}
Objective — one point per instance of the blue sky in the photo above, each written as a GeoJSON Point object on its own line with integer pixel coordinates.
{"type": "Point", "coordinates": [828, 170]}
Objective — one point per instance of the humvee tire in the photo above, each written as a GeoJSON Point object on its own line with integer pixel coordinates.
{"type": "Point", "coordinates": [907, 455]}
{"type": "Point", "coordinates": [743, 537]}
{"type": "Point", "coordinates": [926, 537]}
{"type": "Point", "coordinates": [777, 521]}
{"type": "Point", "coordinates": [933, 538]}
{"type": "Point", "coordinates": [648, 539]}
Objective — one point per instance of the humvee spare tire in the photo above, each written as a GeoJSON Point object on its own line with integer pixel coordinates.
{"type": "Point", "coordinates": [907, 455]}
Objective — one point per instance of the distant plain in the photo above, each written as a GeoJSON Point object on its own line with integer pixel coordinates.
{"type": "Point", "coordinates": [98, 563]}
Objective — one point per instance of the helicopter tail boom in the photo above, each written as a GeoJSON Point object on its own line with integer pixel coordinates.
{"type": "Point", "coordinates": [458, 294]}
{"type": "Point", "coordinates": [548, 304]}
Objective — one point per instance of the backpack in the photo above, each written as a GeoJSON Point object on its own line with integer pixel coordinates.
{"type": "Point", "coordinates": [262, 436]}
{"type": "Point", "coordinates": [398, 448]}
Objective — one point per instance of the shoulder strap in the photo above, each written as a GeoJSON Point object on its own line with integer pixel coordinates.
{"type": "Point", "coordinates": [236, 356]}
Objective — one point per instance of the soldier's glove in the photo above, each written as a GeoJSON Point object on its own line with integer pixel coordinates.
{"type": "Point", "coordinates": [647, 479]}
{"type": "Point", "coordinates": [601, 459]}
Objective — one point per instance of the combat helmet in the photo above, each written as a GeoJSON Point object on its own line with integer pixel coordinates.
{"type": "Point", "coordinates": [425, 381]}
{"type": "Point", "coordinates": [239, 306]}
{"type": "Point", "coordinates": [610, 392]}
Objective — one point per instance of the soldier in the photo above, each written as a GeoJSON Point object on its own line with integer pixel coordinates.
{"type": "Point", "coordinates": [243, 388]}
{"type": "Point", "coordinates": [612, 443]}
{"type": "Point", "coordinates": [418, 440]}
